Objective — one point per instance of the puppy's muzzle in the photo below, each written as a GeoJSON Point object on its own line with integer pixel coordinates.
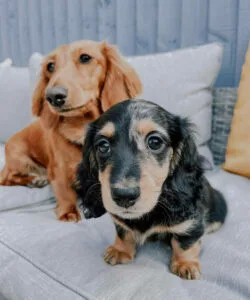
{"type": "Point", "coordinates": [125, 197]}
{"type": "Point", "coordinates": [56, 96]}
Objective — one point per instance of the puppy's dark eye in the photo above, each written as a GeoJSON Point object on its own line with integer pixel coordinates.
{"type": "Point", "coordinates": [155, 143]}
{"type": "Point", "coordinates": [104, 147]}
{"type": "Point", "coordinates": [84, 58]}
{"type": "Point", "coordinates": [50, 67]}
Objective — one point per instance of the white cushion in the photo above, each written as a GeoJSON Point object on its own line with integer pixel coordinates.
{"type": "Point", "coordinates": [180, 81]}
{"type": "Point", "coordinates": [15, 100]}
{"type": "Point", "coordinates": [4, 65]}
{"type": "Point", "coordinates": [34, 69]}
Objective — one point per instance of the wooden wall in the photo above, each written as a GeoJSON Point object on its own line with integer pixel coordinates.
{"type": "Point", "coordinates": [137, 26]}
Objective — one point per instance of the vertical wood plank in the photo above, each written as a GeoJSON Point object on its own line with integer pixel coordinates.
{"type": "Point", "coordinates": [243, 37]}
{"type": "Point", "coordinates": [23, 31]}
{"type": "Point", "coordinates": [194, 22]}
{"type": "Point", "coordinates": [13, 30]}
{"type": "Point", "coordinates": [60, 15]}
{"type": "Point", "coordinates": [146, 26]}
{"type": "Point", "coordinates": [107, 20]}
{"type": "Point", "coordinates": [74, 20]}
{"type": "Point", "coordinates": [5, 42]}
{"type": "Point", "coordinates": [34, 13]}
{"type": "Point", "coordinates": [169, 25]}
{"type": "Point", "coordinates": [125, 26]}
{"type": "Point", "coordinates": [48, 26]}
{"type": "Point", "coordinates": [223, 20]}
{"type": "Point", "coordinates": [89, 20]}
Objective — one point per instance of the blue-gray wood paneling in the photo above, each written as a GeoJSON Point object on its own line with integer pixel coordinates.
{"type": "Point", "coordinates": [136, 26]}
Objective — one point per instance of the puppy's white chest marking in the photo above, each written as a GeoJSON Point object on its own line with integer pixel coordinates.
{"type": "Point", "coordinates": [182, 228]}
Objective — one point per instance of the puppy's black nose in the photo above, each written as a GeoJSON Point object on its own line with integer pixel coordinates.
{"type": "Point", "coordinates": [56, 95]}
{"type": "Point", "coordinates": [125, 197]}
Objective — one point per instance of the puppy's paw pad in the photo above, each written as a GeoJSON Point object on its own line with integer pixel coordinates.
{"type": "Point", "coordinates": [113, 256]}
{"type": "Point", "coordinates": [213, 227]}
{"type": "Point", "coordinates": [39, 181]}
{"type": "Point", "coordinates": [189, 270]}
{"type": "Point", "coordinates": [87, 213]}
{"type": "Point", "coordinates": [72, 216]}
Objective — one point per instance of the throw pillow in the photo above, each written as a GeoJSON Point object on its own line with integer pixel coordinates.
{"type": "Point", "coordinates": [15, 100]}
{"type": "Point", "coordinates": [238, 147]}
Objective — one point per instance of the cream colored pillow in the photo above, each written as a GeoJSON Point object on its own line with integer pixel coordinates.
{"type": "Point", "coordinates": [238, 147]}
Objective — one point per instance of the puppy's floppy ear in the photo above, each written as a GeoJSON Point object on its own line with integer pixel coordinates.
{"type": "Point", "coordinates": [185, 154]}
{"type": "Point", "coordinates": [38, 96]}
{"type": "Point", "coordinates": [87, 185]}
{"type": "Point", "coordinates": [121, 81]}
{"type": "Point", "coordinates": [48, 118]}
{"type": "Point", "coordinates": [40, 107]}
{"type": "Point", "coordinates": [185, 180]}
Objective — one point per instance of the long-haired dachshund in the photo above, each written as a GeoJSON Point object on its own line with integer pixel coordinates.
{"type": "Point", "coordinates": [78, 82]}
{"type": "Point", "coordinates": [141, 164]}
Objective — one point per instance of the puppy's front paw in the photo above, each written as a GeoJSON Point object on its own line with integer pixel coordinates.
{"type": "Point", "coordinates": [186, 269]}
{"type": "Point", "coordinates": [38, 181]}
{"type": "Point", "coordinates": [93, 212]}
{"type": "Point", "coordinates": [113, 256]}
{"type": "Point", "coordinates": [87, 213]}
{"type": "Point", "coordinates": [70, 215]}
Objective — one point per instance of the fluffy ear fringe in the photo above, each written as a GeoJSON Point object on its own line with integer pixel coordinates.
{"type": "Point", "coordinates": [87, 184]}
{"type": "Point", "coordinates": [185, 154]}
{"type": "Point", "coordinates": [121, 82]}
{"type": "Point", "coordinates": [38, 97]}
{"type": "Point", "coordinates": [40, 107]}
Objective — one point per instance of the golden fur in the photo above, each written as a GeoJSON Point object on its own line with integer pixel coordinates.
{"type": "Point", "coordinates": [50, 148]}
{"type": "Point", "coordinates": [185, 263]}
{"type": "Point", "coordinates": [122, 252]}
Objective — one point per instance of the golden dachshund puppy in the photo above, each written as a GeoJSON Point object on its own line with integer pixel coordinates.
{"type": "Point", "coordinates": [140, 163]}
{"type": "Point", "coordinates": [78, 82]}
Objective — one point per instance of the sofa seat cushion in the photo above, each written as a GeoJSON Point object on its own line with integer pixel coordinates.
{"type": "Point", "coordinates": [42, 258]}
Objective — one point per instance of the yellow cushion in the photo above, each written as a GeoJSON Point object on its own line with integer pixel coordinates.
{"type": "Point", "coordinates": [238, 147]}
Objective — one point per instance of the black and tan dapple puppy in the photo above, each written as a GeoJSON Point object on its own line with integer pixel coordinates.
{"type": "Point", "coordinates": [141, 164]}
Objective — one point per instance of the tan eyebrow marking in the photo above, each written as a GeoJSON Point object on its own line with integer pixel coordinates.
{"type": "Point", "coordinates": [108, 130]}
{"type": "Point", "coordinates": [144, 127]}
{"type": "Point", "coordinates": [49, 58]}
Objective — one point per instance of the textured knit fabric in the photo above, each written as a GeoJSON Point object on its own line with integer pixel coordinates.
{"type": "Point", "coordinates": [42, 258]}
{"type": "Point", "coordinates": [224, 100]}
